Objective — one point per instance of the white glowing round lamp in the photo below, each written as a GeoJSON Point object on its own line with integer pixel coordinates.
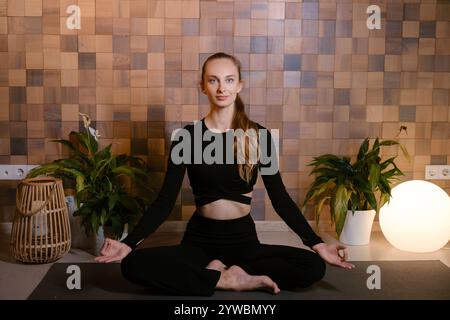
{"type": "Point", "coordinates": [417, 217]}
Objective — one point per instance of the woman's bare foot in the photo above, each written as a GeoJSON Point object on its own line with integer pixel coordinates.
{"type": "Point", "coordinates": [236, 279]}
{"type": "Point", "coordinates": [216, 265]}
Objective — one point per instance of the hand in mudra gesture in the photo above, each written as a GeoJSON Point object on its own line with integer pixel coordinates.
{"type": "Point", "coordinates": [335, 254]}
{"type": "Point", "coordinates": [113, 250]}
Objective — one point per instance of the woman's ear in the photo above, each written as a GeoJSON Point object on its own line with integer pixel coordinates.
{"type": "Point", "coordinates": [202, 88]}
{"type": "Point", "coordinates": [240, 86]}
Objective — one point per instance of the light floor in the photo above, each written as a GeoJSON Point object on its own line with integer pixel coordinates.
{"type": "Point", "coordinates": [17, 280]}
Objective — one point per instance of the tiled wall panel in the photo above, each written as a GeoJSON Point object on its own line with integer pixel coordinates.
{"type": "Point", "coordinates": [312, 69]}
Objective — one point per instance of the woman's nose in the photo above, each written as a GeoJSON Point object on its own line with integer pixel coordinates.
{"type": "Point", "coordinates": [221, 87]}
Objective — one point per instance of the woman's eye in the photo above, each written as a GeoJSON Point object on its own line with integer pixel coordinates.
{"type": "Point", "coordinates": [230, 80]}
{"type": "Point", "coordinates": [212, 80]}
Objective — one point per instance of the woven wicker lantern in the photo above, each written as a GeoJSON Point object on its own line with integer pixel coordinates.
{"type": "Point", "coordinates": [41, 229]}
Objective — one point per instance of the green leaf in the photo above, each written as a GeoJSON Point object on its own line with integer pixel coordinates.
{"type": "Point", "coordinates": [383, 185]}
{"type": "Point", "coordinates": [94, 223]}
{"type": "Point", "coordinates": [332, 207]}
{"type": "Point", "coordinates": [117, 225]}
{"type": "Point", "coordinates": [100, 168]}
{"type": "Point", "coordinates": [387, 162]}
{"type": "Point", "coordinates": [383, 199]}
{"type": "Point", "coordinates": [86, 141]}
{"type": "Point", "coordinates": [374, 175]}
{"type": "Point", "coordinates": [319, 190]}
{"type": "Point", "coordinates": [123, 170]}
{"type": "Point", "coordinates": [340, 207]}
{"type": "Point", "coordinates": [129, 203]}
{"type": "Point", "coordinates": [370, 197]}
{"type": "Point", "coordinates": [354, 201]}
{"type": "Point", "coordinates": [80, 183]}
{"type": "Point", "coordinates": [94, 145]}
{"type": "Point", "coordinates": [318, 208]}
{"type": "Point", "coordinates": [362, 184]}
{"type": "Point", "coordinates": [405, 152]}
{"type": "Point", "coordinates": [103, 154]}
{"type": "Point", "coordinates": [82, 212]}
{"type": "Point", "coordinates": [326, 172]}
{"type": "Point", "coordinates": [112, 201]}
{"type": "Point", "coordinates": [72, 164]}
{"type": "Point", "coordinates": [75, 151]}
{"type": "Point", "coordinates": [75, 173]}
{"type": "Point", "coordinates": [49, 168]}
{"type": "Point", "coordinates": [109, 185]}
{"type": "Point", "coordinates": [103, 217]}
{"type": "Point", "coordinates": [363, 149]}
{"type": "Point", "coordinates": [138, 172]}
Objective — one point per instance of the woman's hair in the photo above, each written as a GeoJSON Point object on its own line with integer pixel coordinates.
{"type": "Point", "coordinates": [240, 121]}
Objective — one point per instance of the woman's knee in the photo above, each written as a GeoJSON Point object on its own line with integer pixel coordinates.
{"type": "Point", "coordinates": [130, 265]}
{"type": "Point", "coordinates": [312, 273]}
{"type": "Point", "coordinates": [140, 262]}
{"type": "Point", "coordinates": [319, 268]}
{"type": "Point", "coordinates": [154, 263]}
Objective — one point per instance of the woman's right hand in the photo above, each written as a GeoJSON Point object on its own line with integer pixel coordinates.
{"type": "Point", "coordinates": [113, 250]}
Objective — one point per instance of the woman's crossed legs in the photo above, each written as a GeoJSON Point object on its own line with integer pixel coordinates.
{"type": "Point", "coordinates": [185, 269]}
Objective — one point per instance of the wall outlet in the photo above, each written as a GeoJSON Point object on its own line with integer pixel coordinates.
{"type": "Point", "coordinates": [15, 172]}
{"type": "Point", "coordinates": [437, 172]}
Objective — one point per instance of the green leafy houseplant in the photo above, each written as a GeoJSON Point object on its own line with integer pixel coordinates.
{"type": "Point", "coordinates": [364, 184]}
{"type": "Point", "coordinates": [99, 177]}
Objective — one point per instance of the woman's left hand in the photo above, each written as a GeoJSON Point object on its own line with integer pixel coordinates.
{"type": "Point", "coordinates": [331, 254]}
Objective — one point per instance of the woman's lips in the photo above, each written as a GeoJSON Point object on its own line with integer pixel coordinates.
{"type": "Point", "coordinates": [221, 98]}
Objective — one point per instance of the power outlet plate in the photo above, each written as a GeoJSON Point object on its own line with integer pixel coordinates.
{"type": "Point", "coordinates": [15, 172]}
{"type": "Point", "coordinates": [437, 172]}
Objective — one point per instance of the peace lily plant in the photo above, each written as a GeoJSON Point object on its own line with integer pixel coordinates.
{"type": "Point", "coordinates": [98, 177]}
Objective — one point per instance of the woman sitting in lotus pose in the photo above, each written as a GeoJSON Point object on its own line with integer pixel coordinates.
{"type": "Point", "coordinates": [220, 248]}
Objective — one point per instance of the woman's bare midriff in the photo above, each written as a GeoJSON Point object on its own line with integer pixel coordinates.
{"type": "Point", "coordinates": [224, 209]}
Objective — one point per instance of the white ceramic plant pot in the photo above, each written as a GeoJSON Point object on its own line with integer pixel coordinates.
{"type": "Point", "coordinates": [357, 227]}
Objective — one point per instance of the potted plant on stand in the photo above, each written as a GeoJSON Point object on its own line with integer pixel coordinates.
{"type": "Point", "coordinates": [104, 202]}
{"type": "Point", "coordinates": [355, 191]}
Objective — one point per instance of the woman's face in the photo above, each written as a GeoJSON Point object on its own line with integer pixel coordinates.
{"type": "Point", "coordinates": [221, 82]}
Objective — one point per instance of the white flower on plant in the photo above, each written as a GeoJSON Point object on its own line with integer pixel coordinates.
{"type": "Point", "coordinates": [86, 119]}
{"type": "Point", "coordinates": [87, 122]}
{"type": "Point", "coordinates": [94, 133]}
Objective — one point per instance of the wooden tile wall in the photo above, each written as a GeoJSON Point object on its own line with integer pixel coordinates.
{"type": "Point", "coordinates": [312, 69]}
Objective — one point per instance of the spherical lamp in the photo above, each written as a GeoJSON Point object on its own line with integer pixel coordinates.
{"type": "Point", "coordinates": [417, 217]}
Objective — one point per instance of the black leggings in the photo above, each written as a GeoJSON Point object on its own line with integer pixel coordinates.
{"type": "Point", "coordinates": [181, 269]}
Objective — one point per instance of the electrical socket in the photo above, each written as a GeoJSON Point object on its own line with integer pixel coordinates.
{"type": "Point", "coordinates": [437, 172]}
{"type": "Point", "coordinates": [15, 172]}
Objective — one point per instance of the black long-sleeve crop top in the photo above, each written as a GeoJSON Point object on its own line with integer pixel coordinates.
{"type": "Point", "coordinates": [211, 181]}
